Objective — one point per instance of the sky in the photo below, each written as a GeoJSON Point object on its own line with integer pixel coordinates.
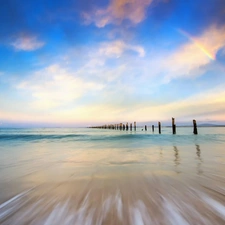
{"type": "Point", "coordinates": [93, 62]}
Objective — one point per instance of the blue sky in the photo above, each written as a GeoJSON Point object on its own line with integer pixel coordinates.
{"type": "Point", "coordinates": [73, 63]}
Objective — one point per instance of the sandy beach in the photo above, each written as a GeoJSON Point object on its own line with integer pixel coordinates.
{"type": "Point", "coordinates": [109, 177]}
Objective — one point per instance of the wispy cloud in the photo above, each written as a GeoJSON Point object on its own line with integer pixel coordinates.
{"type": "Point", "coordinates": [27, 43]}
{"type": "Point", "coordinates": [188, 60]}
{"type": "Point", "coordinates": [119, 81]}
{"type": "Point", "coordinates": [204, 106]}
{"type": "Point", "coordinates": [117, 11]}
{"type": "Point", "coordinates": [117, 48]}
{"type": "Point", "coordinates": [210, 103]}
{"type": "Point", "coordinates": [54, 86]}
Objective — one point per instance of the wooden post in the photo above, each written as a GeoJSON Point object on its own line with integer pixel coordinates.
{"type": "Point", "coordinates": [173, 126]}
{"type": "Point", "coordinates": [135, 126]}
{"type": "Point", "coordinates": [159, 125]}
{"type": "Point", "coordinates": [123, 126]}
{"type": "Point", "coordinates": [145, 127]}
{"type": "Point", "coordinates": [127, 126]}
{"type": "Point", "coordinates": [195, 131]}
{"type": "Point", "coordinates": [153, 128]}
{"type": "Point", "coordinates": [131, 126]}
{"type": "Point", "coordinates": [120, 126]}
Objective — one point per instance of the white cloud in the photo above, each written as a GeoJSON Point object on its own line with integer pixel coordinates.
{"type": "Point", "coordinates": [55, 86]}
{"type": "Point", "coordinates": [117, 11]}
{"type": "Point", "coordinates": [27, 43]}
{"type": "Point", "coordinates": [210, 103]}
{"type": "Point", "coordinates": [114, 81]}
{"type": "Point", "coordinates": [189, 59]}
{"type": "Point", "coordinates": [117, 48]}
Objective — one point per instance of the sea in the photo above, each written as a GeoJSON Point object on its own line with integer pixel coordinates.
{"type": "Point", "coordinates": [85, 176]}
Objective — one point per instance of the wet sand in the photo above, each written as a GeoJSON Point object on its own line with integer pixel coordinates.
{"type": "Point", "coordinates": [126, 200]}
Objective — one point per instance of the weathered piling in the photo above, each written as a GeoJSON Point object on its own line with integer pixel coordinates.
{"type": "Point", "coordinates": [173, 126]}
{"type": "Point", "coordinates": [127, 126]}
{"type": "Point", "coordinates": [131, 127]}
{"type": "Point", "coordinates": [159, 125]}
{"type": "Point", "coordinates": [153, 128]}
{"type": "Point", "coordinates": [146, 127]}
{"type": "Point", "coordinates": [195, 130]}
{"type": "Point", "coordinates": [135, 126]}
{"type": "Point", "coordinates": [123, 126]}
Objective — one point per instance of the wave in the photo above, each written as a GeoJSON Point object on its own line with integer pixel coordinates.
{"type": "Point", "coordinates": [125, 137]}
{"type": "Point", "coordinates": [30, 137]}
{"type": "Point", "coordinates": [80, 137]}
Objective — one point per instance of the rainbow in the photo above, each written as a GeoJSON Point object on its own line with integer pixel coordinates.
{"type": "Point", "coordinates": [197, 44]}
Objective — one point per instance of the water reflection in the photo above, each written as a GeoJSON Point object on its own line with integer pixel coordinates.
{"type": "Point", "coordinates": [177, 159]}
{"type": "Point", "coordinates": [199, 160]}
{"type": "Point", "coordinates": [161, 154]}
{"type": "Point", "coordinates": [198, 151]}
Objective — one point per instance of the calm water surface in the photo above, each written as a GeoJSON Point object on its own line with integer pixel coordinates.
{"type": "Point", "coordinates": [95, 176]}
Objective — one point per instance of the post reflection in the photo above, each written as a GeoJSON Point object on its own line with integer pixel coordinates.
{"type": "Point", "coordinates": [161, 153]}
{"type": "Point", "coordinates": [198, 151]}
{"type": "Point", "coordinates": [176, 159]}
{"type": "Point", "coordinates": [199, 160]}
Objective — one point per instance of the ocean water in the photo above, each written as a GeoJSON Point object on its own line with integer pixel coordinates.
{"type": "Point", "coordinates": [97, 176]}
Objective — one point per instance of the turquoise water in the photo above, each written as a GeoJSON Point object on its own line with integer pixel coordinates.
{"type": "Point", "coordinates": [98, 176]}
